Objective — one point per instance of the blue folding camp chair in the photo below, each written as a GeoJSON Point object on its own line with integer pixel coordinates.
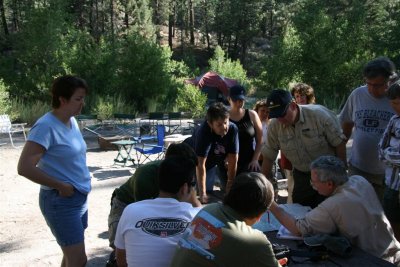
{"type": "Point", "coordinates": [145, 150]}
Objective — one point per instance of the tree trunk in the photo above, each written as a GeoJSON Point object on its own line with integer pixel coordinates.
{"type": "Point", "coordinates": [171, 23]}
{"type": "Point", "coordinates": [78, 9]}
{"type": "Point", "coordinates": [3, 18]}
{"type": "Point", "coordinates": [208, 36]}
{"type": "Point", "coordinates": [15, 20]}
{"type": "Point", "coordinates": [91, 26]}
{"type": "Point", "coordinates": [156, 13]}
{"type": "Point", "coordinates": [126, 16]}
{"type": "Point", "coordinates": [191, 22]}
{"type": "Point", "coordinates": [271, 26]}
{"type": "Point", "coordinates": [103, 17]}
{"type": "Point", "coordinates": [235, 44]}
{"type": "Point", "coordinates": [244, 48]}
{"type": "Point", "coordinates": [112, 20]}
{"type": "Point", "coordinates": [174, 20]}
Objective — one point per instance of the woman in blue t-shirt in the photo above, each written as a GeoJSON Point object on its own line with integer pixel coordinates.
{"type": "Point", "coordinates": [55, 157]}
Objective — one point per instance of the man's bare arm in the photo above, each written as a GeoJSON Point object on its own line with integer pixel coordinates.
{"type": "Point", "coordinates": [201, 179]}
{"type": "Point", "coordinates": [340, 151]}
{"type": "Point", "coordinates": [347, 128]}
{"type": "Point", "coordinates": [121, 257]}
{"type": "Point", "coordinates": [285, 218]}
{"type": "Point", "coordinates": [232, 167]}
{"type": "Point", "coordinates": [266, 167]}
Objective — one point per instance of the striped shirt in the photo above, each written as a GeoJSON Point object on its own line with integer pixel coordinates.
{"type": "Point", "coordinates": [389, 153]}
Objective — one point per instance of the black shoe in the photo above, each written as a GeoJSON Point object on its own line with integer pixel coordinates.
{"type": "Point", "coordinates": [112, 261]}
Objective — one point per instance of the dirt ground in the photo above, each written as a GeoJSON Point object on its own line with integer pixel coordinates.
{"type": "Point", "coordinates": [25, 239]}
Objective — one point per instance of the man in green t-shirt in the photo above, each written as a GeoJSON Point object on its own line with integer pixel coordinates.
{"type": "Point", "coordinates": [142, 185]}
{"type": "Point", "coordinates": [221, 234]}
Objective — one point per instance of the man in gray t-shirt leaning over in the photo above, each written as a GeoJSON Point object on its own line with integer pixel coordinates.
{"type": "Point", "coordinates": [368, 110]}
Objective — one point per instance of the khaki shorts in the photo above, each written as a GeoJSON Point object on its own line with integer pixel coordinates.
{"type": "Point", "coordinates": [117, 207]}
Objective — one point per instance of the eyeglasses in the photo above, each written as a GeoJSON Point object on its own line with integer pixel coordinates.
{"type": "Point", "coordinates": [375, 85]}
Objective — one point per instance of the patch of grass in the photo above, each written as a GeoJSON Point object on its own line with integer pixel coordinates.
{"type": "Point", "coordinates": [28, 112]}
{"type": "Point", "coordinates": [106, 107]}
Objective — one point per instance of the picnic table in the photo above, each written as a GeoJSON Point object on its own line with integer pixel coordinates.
{"type": "Point", "coordinates": [305, 256]}
{"type": "Point", "coordinates": [358, 257]}
{"type": "Point", "coordinates": [174, 139]}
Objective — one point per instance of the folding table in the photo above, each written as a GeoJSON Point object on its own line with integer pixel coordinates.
{"type": "Point", "coordinates": [124, 151]}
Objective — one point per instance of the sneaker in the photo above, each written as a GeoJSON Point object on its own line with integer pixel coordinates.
{"type": "Point", "coordinates": [112, 261]}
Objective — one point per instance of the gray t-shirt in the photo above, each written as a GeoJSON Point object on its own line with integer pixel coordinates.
{"type": "Point", "coordinates": [370, 116]}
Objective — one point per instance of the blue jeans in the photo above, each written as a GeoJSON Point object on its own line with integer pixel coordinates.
{"type": "Point", "coordinates": [67, 217]}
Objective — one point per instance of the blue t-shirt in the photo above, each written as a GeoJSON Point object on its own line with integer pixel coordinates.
{"type": "Point", "coordinates": [214, 147]}
{"type": "Point", "coordinates": [65, 156]}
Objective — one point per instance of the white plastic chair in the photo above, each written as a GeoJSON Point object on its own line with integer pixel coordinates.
{"type": "Point", "coordinates": [10, 128]}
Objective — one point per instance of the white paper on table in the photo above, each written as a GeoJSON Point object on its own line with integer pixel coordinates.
{"type": "Point", "coordinates": [284, 233]}
{"type": "Point", "coordinates": [268, 222]}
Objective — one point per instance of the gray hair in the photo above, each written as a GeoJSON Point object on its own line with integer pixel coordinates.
{"type": "Point", "coordinates": [330, 168]}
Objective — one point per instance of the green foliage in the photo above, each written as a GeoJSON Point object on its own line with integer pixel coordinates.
{"type": "Point", "coordinates": [95, 62]}
{"type": "Point", "coordinates": [227, 67]}
{"type": "Point", "coordinates": [4, 99]}
{"type": "Point", "coordinates": [190, 99]}
{"type": "Point", "coordinates": [28, 112]}
{"type": "Point", "coordinates": [40, 49]}
{"type": "Point", "coordinates": [112, 45]}
{"type": "Point", "coordinates": [106, 107]}
{"type": "Point", "coordinates": [145, 71]}
{"type": "Point", "coordinates": [139, 16]}
{"type": "Point", "coordinates": [280, 68]}
{"type": "Point", "coordinates": [326, 44]}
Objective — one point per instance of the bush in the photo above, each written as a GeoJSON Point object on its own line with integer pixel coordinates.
{"type": "Point", "coordinates": [28, 112]}
{"type": "Point", "coordinates": [191, 99]}
{"type": "Point", "coordinates": [145, 72]}
{"type": "Point", "coordinates": [4, 100]}
{"type": "Point", "coordinates": [228, 68]}
{"type": "Point", "coordinates": [106, 107]}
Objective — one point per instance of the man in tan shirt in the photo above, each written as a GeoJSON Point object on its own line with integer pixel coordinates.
{"type": "Point", "coordinates": [302, 133]}
{"type": "Point", "coordinates": [352, 209]}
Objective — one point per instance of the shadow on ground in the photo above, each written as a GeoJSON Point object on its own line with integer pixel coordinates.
{"type": "Point", "coordinates": [100, 258]}
{"type": "Point", "coordinates": [102, 174]}
{"type": "Point", "coordinates": [8, 246]}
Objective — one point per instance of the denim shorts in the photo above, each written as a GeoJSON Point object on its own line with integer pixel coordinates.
{"type": "Point", "coordinates": [67, 217]}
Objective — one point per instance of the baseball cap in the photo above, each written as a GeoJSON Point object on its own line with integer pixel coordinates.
{"type": "Point", "coordinates": [237, 92]}
{"type": "Point", "coordinates": [278, 101]}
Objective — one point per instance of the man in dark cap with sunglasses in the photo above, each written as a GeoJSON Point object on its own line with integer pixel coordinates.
{"type": "Point", "coordinates": [302, 133]}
